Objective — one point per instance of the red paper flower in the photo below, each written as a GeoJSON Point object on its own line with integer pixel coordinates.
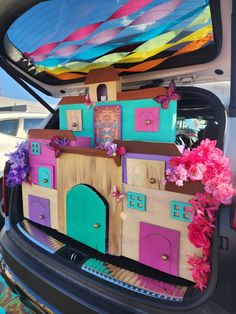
{"type": "Point", "coordinates": [200, 268]}
{"type": "Point", "coordinates": [121, 150]}
{"type": "Point", "coordinates": [207, 164]}
{"type": "Point", "coordinates": [200, 232]}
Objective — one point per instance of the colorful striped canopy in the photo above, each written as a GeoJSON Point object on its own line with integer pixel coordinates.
{"type": "Point", "coordinates": [68, 38]}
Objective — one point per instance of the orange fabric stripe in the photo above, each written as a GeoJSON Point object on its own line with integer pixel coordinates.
{"type": "Point", "coordinates": [142, 67]}
{"type": "Point", "coordinates": [67, 76]}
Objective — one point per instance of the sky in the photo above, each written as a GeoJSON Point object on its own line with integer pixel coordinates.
{"type": "Point", "coordinates": [11, 89]}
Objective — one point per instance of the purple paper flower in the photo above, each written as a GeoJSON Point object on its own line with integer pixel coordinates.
{"type": "Point", "coordinates": [56, 143]}
{"type": "Point", "coordinates": [19, 165]}
{"type": "Point", "coordinates": [111, 148]}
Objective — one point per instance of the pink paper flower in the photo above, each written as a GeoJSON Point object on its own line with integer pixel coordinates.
{"type": "Point", "coordinates": [200, 231]}
{"type": "Point", "coordinates": [200, 268]}
{"type": "Point", "coordinates": [224, 193]}
{"type": "Point", "coordinates": [205, 163]}
{"type": "Point", "coordinates": [182, 172]}
{"type": "Point", "coordinates": [211, 185]}
{"type": "Point", "coordinates": [195, 172]}
{"type": "Point", "coordinates": [179, 182]}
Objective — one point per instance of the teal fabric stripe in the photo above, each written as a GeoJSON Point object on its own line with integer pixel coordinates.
{"type": "Point", "coordinates": [97, 51]}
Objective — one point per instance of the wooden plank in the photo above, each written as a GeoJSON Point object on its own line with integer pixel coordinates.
{"type": "Point", "coordinates": [145, 93]}
{"type": "Point", "coordinates": [188, 187]}
{"type": "Point", "coordinates": [90, 152]}
{"type": "Point", "coordinates": [49, 134]}
{"type": "Point", "coordinates": [68, 100]}
{"type": "Point", "coordinates": [107, 74]}
{"type": "Point", "coordinates": [168, 149]}
{"type": "Point", "coordinates": [50, 194]}
{"type": "Point", "coordinates": [157, 213]}
{"type": "Point", "coordinates": [100, 173]}
{"type": "Point", "coordinates": [74, 120]}
{"type": "Point", "coordinates": [146, 173]}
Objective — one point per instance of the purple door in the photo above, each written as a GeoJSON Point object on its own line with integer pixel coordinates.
{"type": "Point", "coordinates": [39, 210]}
{"type": "Point", "coordinates": [159, 248]}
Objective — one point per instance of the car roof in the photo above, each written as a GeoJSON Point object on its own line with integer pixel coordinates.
{"type": "Point", "coordinates": [18, 114]}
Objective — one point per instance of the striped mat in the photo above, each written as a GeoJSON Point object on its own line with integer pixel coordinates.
{"type": "Point", "coordinates": [9, 301]}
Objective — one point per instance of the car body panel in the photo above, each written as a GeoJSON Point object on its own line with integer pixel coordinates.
{"type": "Point", "coordinates": [9, 142]}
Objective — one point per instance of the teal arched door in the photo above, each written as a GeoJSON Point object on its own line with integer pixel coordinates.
{"type": "Point", "coordinates": [86, 217]}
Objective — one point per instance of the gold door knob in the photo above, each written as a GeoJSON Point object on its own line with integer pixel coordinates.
{"type": "Point", "coordinates": [148, 122]}
{"type": "Point", "coordinates": [45, 180]}
{"type": "Point", "coordinates": [74, 124]}
{"type": "Point", "coordinates": [96, 225]}
{"type": "Point", "coordinates": [41, 217]}
{"type": "Point", "coordinates": [152, 180]}
{"type": "Point", "coordinates": [164, 257]}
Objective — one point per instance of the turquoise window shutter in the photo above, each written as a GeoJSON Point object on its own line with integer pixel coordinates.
{"type": "Point", "coordinates": [179, 211]}
{"type": "Point", "coordinates": [136, 201]}
{"type": "Point", "coordinates": [35, 148]}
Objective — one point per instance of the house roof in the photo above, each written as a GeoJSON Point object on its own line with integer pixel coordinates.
{"type": "Point", "coordinates": [152, 148]}
{"type": "Point", "coordinates": [72, 100]}
{"type": "Point", "coordinates": [47, 134]}
{"type": "Point", "coordinates": [146, 93]}
{"type": "Point", "coordinates": [102, 75]}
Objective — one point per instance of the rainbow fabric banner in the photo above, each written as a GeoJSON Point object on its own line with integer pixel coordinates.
{"type": "Point", "coordinates": [134, 36]}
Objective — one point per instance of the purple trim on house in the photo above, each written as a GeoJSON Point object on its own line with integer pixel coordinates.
{"type": "Point", "coordinates": [141, 156]}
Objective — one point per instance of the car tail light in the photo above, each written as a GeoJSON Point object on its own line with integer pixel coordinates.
{"type": "Point", "coordinates": [234, 219]}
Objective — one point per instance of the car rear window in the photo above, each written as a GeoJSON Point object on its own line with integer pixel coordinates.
{"type": "Point", "coordinates": [9, 126]}
{"type": "Point", "coordinates": [64, 39]}
{"type": "Point", "coordinates": [31, 124]}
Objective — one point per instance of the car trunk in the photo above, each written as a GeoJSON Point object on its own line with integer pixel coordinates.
{"type": "Point", "coordinates": [73, 258]}
{"type": "Point", "coordinates": [115, 281]}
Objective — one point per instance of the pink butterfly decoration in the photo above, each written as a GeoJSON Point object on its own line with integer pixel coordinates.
{"type": "Point", "coordinates": [119, 196]}
{"type": "Point", "coordinates": [88, 101]}
{"type": "Point", "coordinates": [164, 100]}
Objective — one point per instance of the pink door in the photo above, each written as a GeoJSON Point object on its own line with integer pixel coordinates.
{"type": "Point", "coordinates": [159, 248]}
{"type": "Point", "coordinates": [147, 119]}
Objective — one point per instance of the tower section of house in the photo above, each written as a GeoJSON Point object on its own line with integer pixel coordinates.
{"type": "Point", "coordinates": [103, 84]}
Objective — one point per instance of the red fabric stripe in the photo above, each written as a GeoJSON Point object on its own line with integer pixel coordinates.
{"type": "Point", "coordinates": [130, 7]}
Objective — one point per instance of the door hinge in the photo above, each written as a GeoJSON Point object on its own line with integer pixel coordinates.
{"type": "Point", "coordinates": [186, 80]}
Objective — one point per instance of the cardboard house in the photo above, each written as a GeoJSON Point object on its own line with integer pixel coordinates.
{"type": "Point", "coordinates": [149, 224]}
